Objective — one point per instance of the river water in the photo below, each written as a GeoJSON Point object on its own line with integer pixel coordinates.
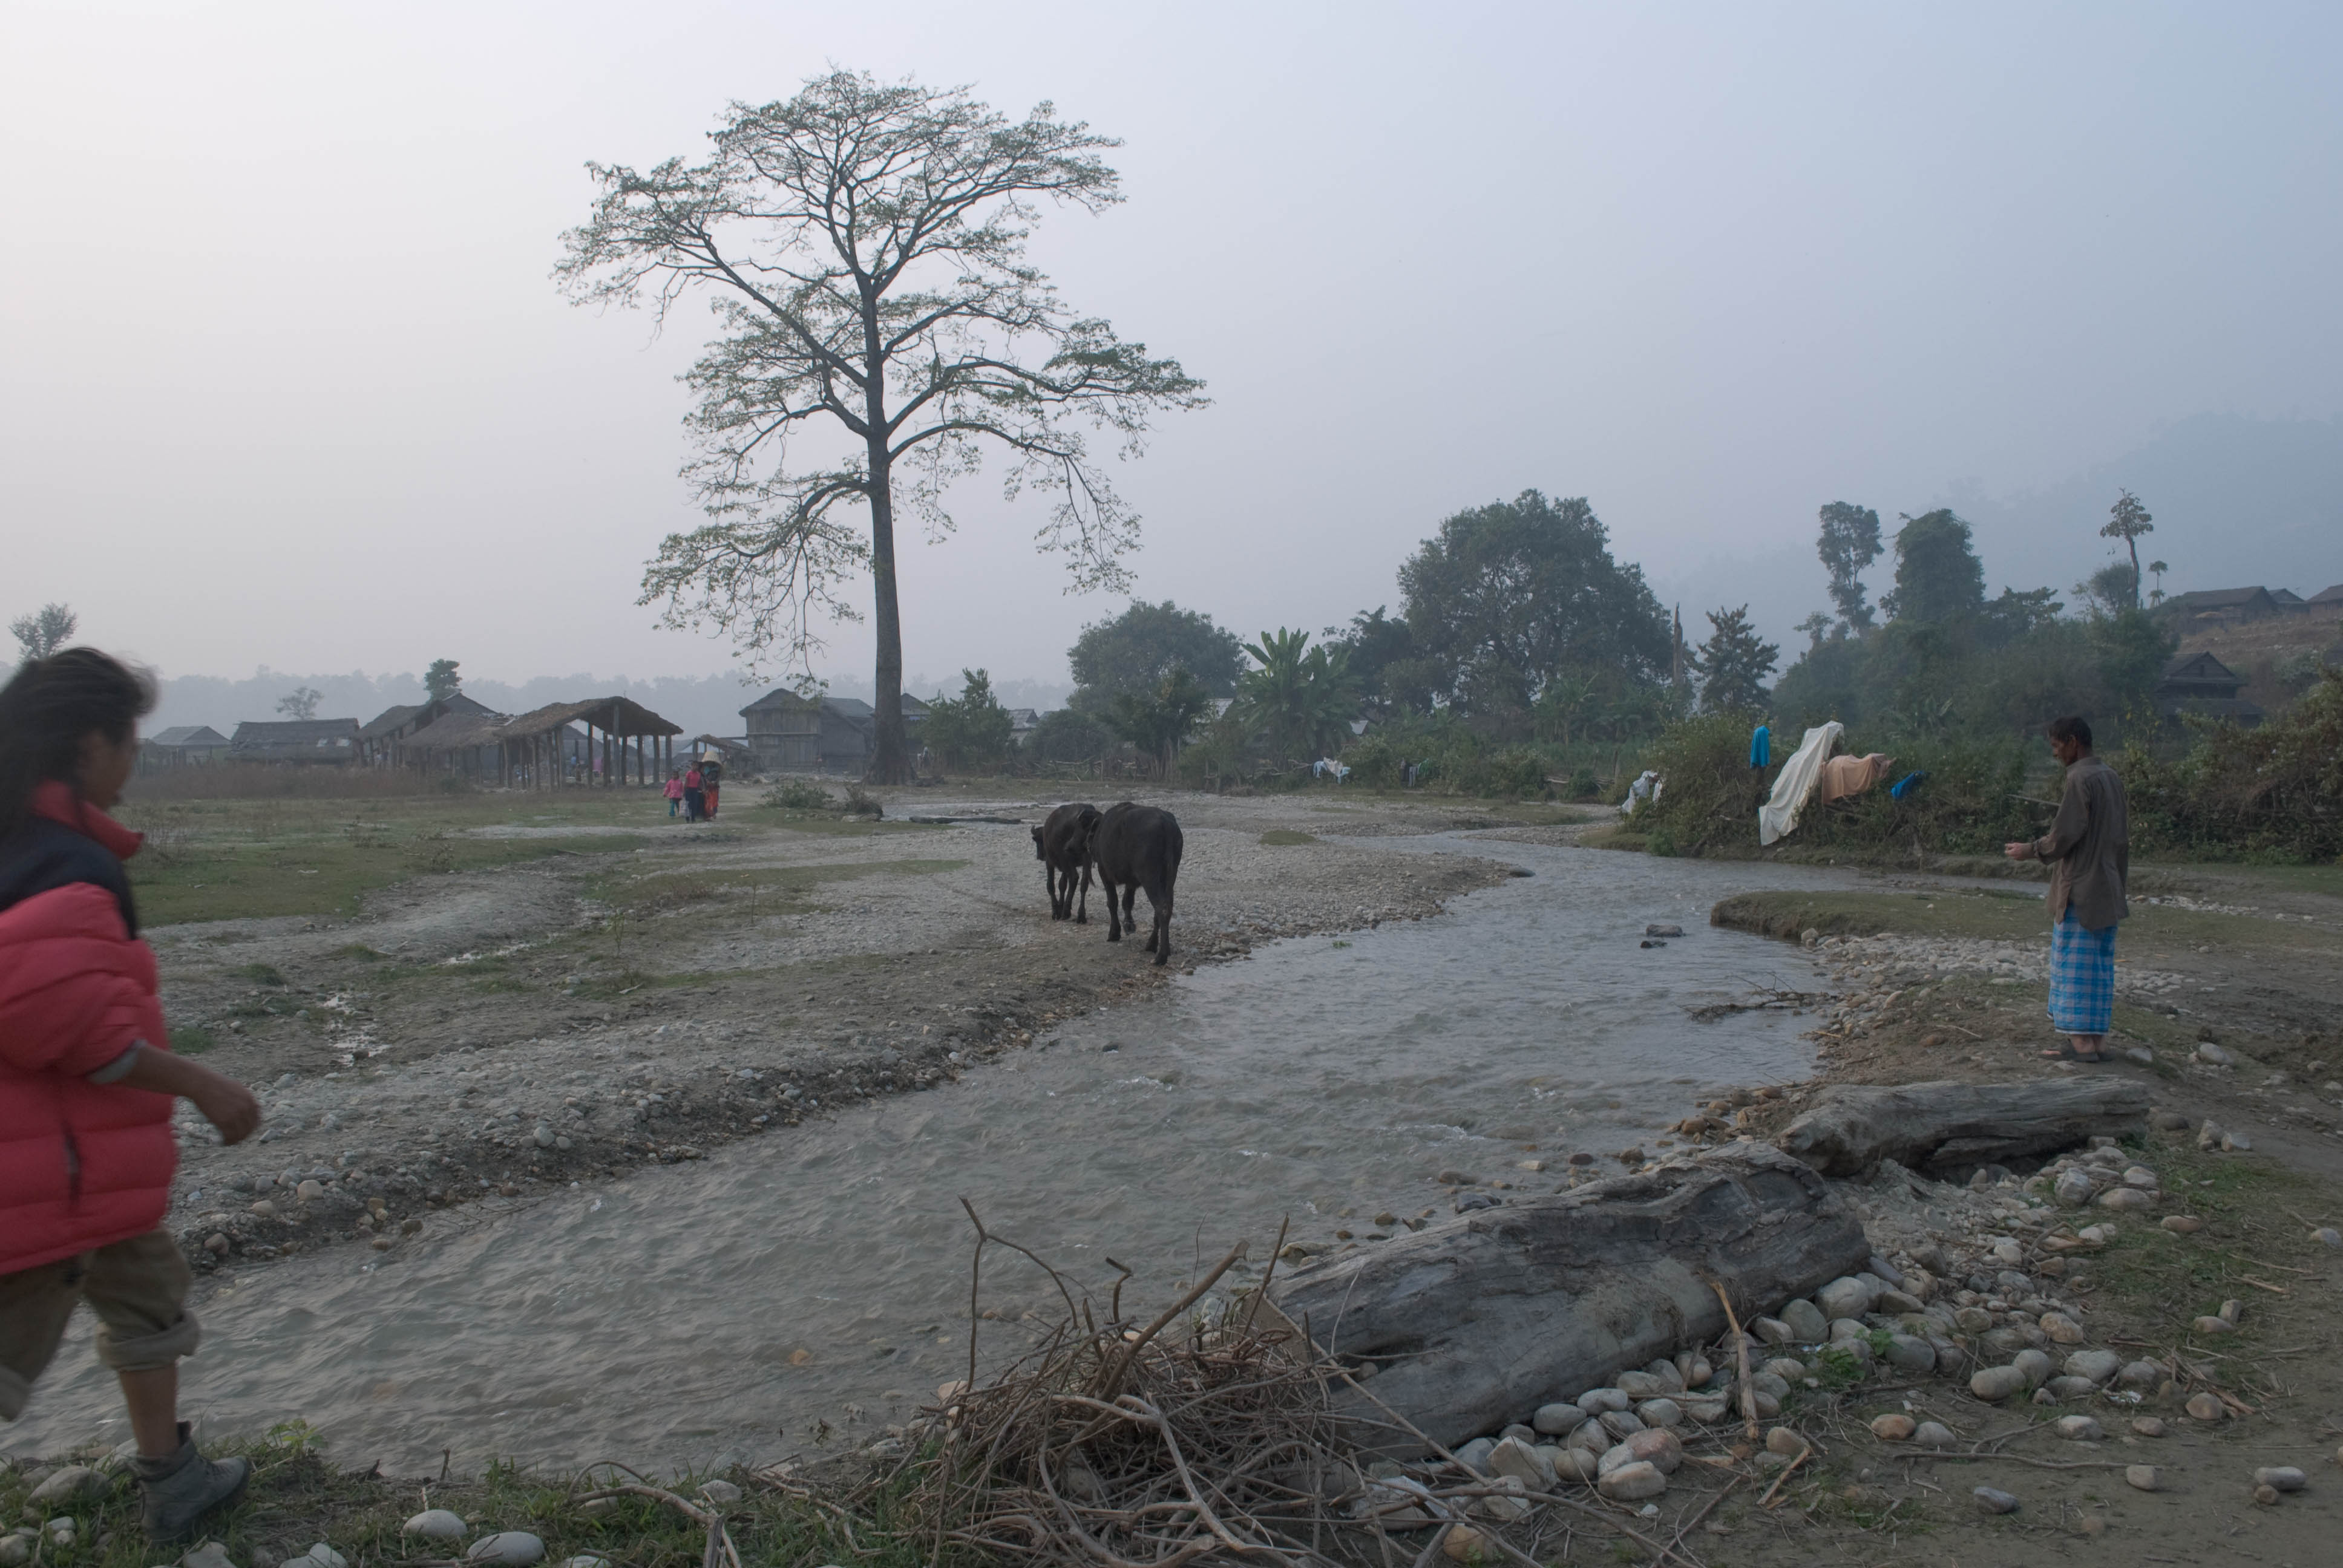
{"type": "Point", "coordinates": [810, 1287]}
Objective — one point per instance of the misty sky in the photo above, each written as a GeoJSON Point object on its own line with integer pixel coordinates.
{"type": "Point", "coordinates": [284, 381]}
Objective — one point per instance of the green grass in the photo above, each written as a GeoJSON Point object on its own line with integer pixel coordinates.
{"type": "Point", "coordinates": [298, 1494]}
{"type": "Point", "coordinates": [2167, 1281]}
{"type": "Point", "coordinates": [259, 974]}
{"type": "Point", "coordinates": [191, 1039]}
{"type": "Point", "coordinates": [2009, 916]}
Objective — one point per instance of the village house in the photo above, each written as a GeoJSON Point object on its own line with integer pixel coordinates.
{"type": "Point", "coordinates": [378, 740]}
{"type": "Point", "coordinates": [794, 734]}
{"type": "Point", "coordinates": [2220, 607]}
{"type": "Point", "coordinates": [2200, 684]}
{"type": "Point", "coordinates": [181, 745]}
{"type": "Point", "coordinates": [333, 740]}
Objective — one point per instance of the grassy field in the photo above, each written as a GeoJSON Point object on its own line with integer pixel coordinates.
{"type": "Point", "coordinates": [1995, 915]}
{"type": "Point", "coordinates": [214, 859]}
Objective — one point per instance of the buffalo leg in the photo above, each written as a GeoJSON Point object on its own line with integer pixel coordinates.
{"type": "Point", "coordinates": [1082, 915]}
{"type": "Point", "coordinates": [1050, 886]}
{"type": "Point", "coordinates": [1114, 925]}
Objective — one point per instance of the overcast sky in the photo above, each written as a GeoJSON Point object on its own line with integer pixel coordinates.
{"type": "Point", "coordinates": [284, 381]}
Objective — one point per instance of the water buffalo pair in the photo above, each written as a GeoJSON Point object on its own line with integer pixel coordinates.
{"type": "Point", "coordinates": [1131, 848]}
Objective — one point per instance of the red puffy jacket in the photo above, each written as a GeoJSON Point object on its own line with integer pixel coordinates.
{"type": "Point", "coordinates": [81, 1164]}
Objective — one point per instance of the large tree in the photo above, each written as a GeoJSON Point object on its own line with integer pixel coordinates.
{"type": "Point", "coordinates": [1131, 654]}
{"type": "Point", "coordinates": [1508, 595]}
{"type": "Point", "coordinates": [45, 631]}
{"type": "Point", "coordinates": [1734, 663]}
{"type": "Point", "coordinates": [1298, 698]}
{"type": "Point", "coordinates": [2127, 520]}
{"type": "Point", "coordinates": [1848, 544]}
{"type": "Point", "coordinates": [864, 247]}
{"type": "Point", "coordinates": [1938, 576]}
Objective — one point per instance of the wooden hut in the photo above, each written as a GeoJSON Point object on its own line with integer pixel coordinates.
{"type": "Point", "coordinates": [625, 743]}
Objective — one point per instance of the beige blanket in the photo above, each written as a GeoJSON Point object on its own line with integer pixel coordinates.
{"type": "Point", "coordinates": [1846, 776]}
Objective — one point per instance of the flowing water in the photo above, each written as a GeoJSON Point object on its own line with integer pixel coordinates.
{"type": "Point", "coordinates": [810, 1287]}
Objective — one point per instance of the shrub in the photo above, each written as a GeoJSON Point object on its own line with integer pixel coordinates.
{"type": "Point", "coordinates": [800, 794]}
{"type": "Point", "coordinates": [2273, 792]}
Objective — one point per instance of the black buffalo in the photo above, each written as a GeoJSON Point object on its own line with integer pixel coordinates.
{"type": "Point", "coordinates": [1062, 846]}
{"type": "Point", "coordinates": [1135, 846]}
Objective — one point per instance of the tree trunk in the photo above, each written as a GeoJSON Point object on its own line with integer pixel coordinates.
{"type": "Point", "coordinates": [890, 760]}
{"type": "Point", "coordinates": [1477, 1321]}
{"type": "Point", "coordinates": [1948, 1130]}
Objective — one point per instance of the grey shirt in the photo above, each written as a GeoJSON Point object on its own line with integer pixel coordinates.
{"type": "Point", "coordinates": [2089, 848]}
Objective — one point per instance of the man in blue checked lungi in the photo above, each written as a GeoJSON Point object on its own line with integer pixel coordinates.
{"type": "Point", "coordinates": [2088, 849]}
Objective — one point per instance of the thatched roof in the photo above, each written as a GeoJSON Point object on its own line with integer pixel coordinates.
{"type": "Point", "coordinates": [455, 731]}
{"type": "Point", "coordinates": [616, 715]}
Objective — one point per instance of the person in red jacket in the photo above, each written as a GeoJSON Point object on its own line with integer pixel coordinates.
{"type": "Point", "coordinates": [87, 1078]}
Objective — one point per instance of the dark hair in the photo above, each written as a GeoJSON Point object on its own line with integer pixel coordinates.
{"type": "Point", "coordinates": [2076, 729]}
{"type": "Point", "coordinates": [47, 709]}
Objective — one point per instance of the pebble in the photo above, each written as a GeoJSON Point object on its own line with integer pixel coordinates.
{"type": "Point", "coordinates": [587, 1560]}
{"type": "Point", "coordinates": [1633, 1483]}
{"type": "Point", "coordinates": [2062, 1329]}
{"type": "Point", "coordinates": [2328, 1236]}
{"type": "Point", "coordinates": [1474, 1455]}
{"type": "Point", "coordinates": [310, 1191]}
{"type": "Point", "coordinates": [2139, 1176]}
{"type": "Point", "coordinates": [2209, 1052]}
{"type": "Point", "coordinates": [2231, 1310]}
{"type": "Point", "coordinates": [1660, 1413]}
{"type": "Point", "coordinates": [2148, 1426]}
{"type": "Point", "coordinates": [68, 1486]}
{"type": "Point", "coordinates": [2183, 1224]}
{"type": "Point", "coordinates": [2126, 1198]}
{"type": "Point", "coordinates": [434, 1524]}
{"type": "Point", "coordinates": [1846, 1297]}
{"type": "Point", "coordinates": [1787, 1441]}
{"type": "Point", "coordinates": [2063, 1388]}
{"type": "Point", "coordinates": [1907, 1353]}
{"type": "Point", "coordinates": [1993, 1500]}
{"type": "Point", "coordinates": [2205, 1407]}
{"type": "Point", "coordinates": [1994, 1384]}
{"type": "Point", "coordinates": [1806, 1321]}
{"type": "Point", "coordinates": [2099, 1366]}
{"type": "Point", "coordinates": [210, 1554]}
{"type": "Point", "coordinates": [322, 1555]}
{"type": "Point", "coordinates": [2283, 1477]}
{"type": "Point", "coordinates": [1894, 1427]}
{"type": "Point", "coordinates": [1525, 1464]}
{"type": "Point", "coordinates": [2078, 1428]}
{"type": "Point", "coordinates": [721, 1493]}
{"type": "Point", "coordinates": [2142, 1477]}
{"type": "Point", "coordinates": [2236, 1143]}
{"type": "Point", "coordinates": [16, 1550]}
{"type": "Point", "coordinates": [1620, 1423]}
{"type": "Point", "coordinates": [1774, 1330]}
{"type": "Point", "coordinates": [1557, 1420]}
{"type": "Point", "coordinates": [1594, 1401]}
{"type": "Point", "coordinates": [2265, 1495]}
{"type": "Point", "coordinates": [2034, 1366]}
{"type": "Point", "coordinates": [1934, 1434]}
{"type": "Point", "coordinates": [2168, 1122]}
{"type": "Point", "coordinates": [508, 1549]}
{"type": "Point", "coordinates": [1462, 1543]}
{"type": "Point", "coordinates": [2214, 1326]}
{"type": "Point", "coordinates": [2072, 1189]}
{"type": "Point", "coordinates": [1640, 1385]}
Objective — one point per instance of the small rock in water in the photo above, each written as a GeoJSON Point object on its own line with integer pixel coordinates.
{"type": "Point", "coordinates": [436, 1524]}
{"type": "Point", "coordinates": [1934, 1434]}
{"type": "Point", "coordinates": [2078, 1428]}
{"type": "Point", "coordinates": [2205, 1407]}
{"type": "Point", "coordinates": [508, 1549]}
{"type": "Point", "coordinates": [1894, 1427]}
{"type": "Point", "coordinates": [2143, 1477]}
{"type": "Point", "coordinates": [2281, 1478]}
{"type": "Point", "coordinates": [1993, 1500]}
{"type": "Point", "coordinates": [1663, 930]}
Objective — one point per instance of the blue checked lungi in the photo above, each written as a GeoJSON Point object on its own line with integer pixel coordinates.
{"type": "Point", "coordinates": [2081, 978]}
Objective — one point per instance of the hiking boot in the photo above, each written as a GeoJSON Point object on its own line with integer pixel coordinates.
{"type": "Point", "coordinates": [176, 1491]}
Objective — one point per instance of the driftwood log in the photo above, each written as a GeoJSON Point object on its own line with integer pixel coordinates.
{"type": "Point", "coordinates": [1949, 1130]}
{"type": "Point", "coordinates": [1475, 1322]}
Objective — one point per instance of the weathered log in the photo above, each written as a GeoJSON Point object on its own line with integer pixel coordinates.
{"type": "Point", "coordinates": [1475, 1322]}
{"type": "Point", "coordinates": [1948, 1130]}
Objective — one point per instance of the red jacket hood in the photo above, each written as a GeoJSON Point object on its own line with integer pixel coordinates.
{"type": "Point", "coordinates": [61, 802]}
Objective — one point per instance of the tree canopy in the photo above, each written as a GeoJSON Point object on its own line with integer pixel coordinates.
{"type": "Point", "coordinates": [2128, 520]}
{"type": "Point", "coordinates": [972, 729]}
{"type": "Point", "coordinates": [1938, 576]}
{"type": "Point", "coordinates": [45, 631]}
{"type": "Point", "coordinates": [1734, 663]}
{"type": "Point", "coordinates": [864, 248]}
{"type": "Point", "coordinates": [1848, 545]}
{"type": "Point", "coordinates": [1297, 698]}
{"type": "Point", "coordinates": [1133, 652]}
{"type": "Point", "coordinates": [1507, 595]}
{"type": "Point", "coordinates": [441, 681]}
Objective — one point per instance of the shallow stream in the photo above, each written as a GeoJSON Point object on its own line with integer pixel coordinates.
{"type": "Point", "coordinates": [808, 1288]}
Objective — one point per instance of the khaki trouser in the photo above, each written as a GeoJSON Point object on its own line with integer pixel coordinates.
{"type": "Point", "coordinates": [137, 1288]}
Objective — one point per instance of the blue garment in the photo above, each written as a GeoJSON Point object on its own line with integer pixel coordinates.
{"type": "Point", "coordinates": [2082, 977]}
{"type": "Point", "coordinates": [1909, 782]}
{"type": "Point", "coordinates": [1761, 747]}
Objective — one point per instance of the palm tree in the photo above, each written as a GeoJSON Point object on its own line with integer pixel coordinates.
{"type": "Point", "coordinates": [2157, 569]}
{"type": "Point", "coordinates": [1299, 698]}
{"type": "Point", "coordinates": [1157, 722]}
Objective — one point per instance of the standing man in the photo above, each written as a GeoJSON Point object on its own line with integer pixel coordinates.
{"type": "Point", "coordinates": [2089, 851]}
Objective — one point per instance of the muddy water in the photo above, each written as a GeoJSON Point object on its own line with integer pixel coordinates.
{"type": "Point", "coordinates": [809, 1288]}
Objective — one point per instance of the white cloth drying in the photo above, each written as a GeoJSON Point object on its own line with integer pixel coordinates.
{"type": "Point", "coordinates": [1799, 776]}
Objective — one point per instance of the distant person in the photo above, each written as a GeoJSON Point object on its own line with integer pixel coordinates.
{"type": "Point", "coordinates": [2089, 848]}
{"type": "Point", "coordinates": [87, 1080]}
{"type": "Point", "coordinates": [711, 776]}
{"type": "Point", "coordinates": [693, 796]}
{"type": "Point", "coordinates": [674, 791]}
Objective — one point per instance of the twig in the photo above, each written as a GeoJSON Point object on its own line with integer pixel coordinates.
{"type": "Point", "coordinates": [1112, 1383]}
{"type": "Point", "coordinates": [2266, 1286]}
{"type": "Point", "coordinates": [2021, 1459]}
{"type": "Point", "coordinates": [1741, 1352]}
{"type": "Point", "coordinates": [1788, 1470]}
{"type": "Point", "coordinates": [1694, 1523]}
